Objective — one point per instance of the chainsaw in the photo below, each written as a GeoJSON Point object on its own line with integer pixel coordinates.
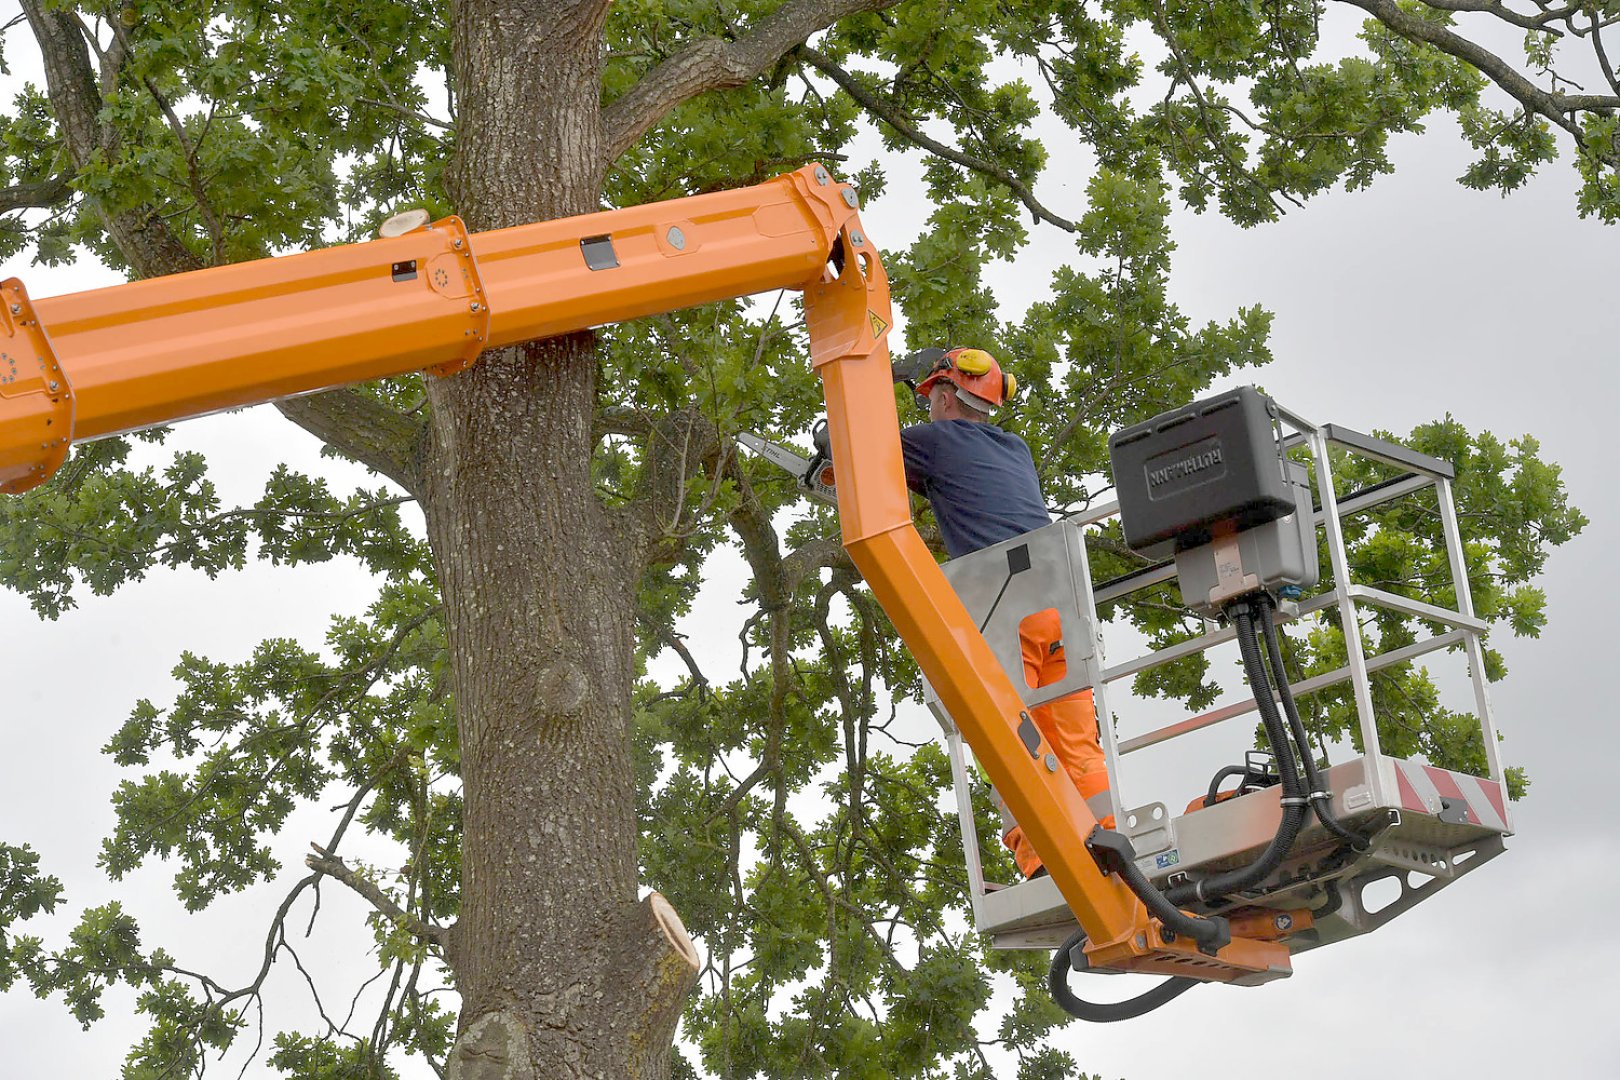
{"type": "Point", "coordinates": [813, 474]}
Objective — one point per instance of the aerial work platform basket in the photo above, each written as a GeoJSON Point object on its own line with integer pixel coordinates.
{"type": "Point", "coordinates": [1425, 826]}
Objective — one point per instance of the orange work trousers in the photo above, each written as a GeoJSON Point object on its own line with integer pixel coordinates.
{"type": "Point", "coordinates": [1069, 725]}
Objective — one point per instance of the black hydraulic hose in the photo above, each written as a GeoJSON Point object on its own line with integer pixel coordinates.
{"type": "Point", "coordinates": [1212, 933]}
{"type": "Point", "coordinates": [1321, 798]}
{"type": "Point", "coordinates": [1254, 667]}
{"type": "Point", "coordinates": [1335, 898]}
{"type": "Point", "coordinates": [1114, 853]}
{"type": "Point", "coordinates": [1292, 799]}
{"type": "Point", "coordinates": [1098, 1012]}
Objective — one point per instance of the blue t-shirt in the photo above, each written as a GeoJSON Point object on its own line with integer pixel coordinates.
{"type": "Point", "coordinates": [979, 479]}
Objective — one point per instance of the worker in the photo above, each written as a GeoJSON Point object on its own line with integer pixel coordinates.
{"type": "Point", "coordinates": [981, 481]}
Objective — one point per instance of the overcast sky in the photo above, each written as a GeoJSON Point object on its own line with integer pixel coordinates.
{"type": "Point", "coordinates": [1393, 307]}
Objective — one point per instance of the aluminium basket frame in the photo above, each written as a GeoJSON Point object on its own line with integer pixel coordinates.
{"type": "Point", "coordinates": [1032, 914]}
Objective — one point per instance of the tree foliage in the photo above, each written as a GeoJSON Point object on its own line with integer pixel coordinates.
{"type": "Point", "coordinates": [785, 810]}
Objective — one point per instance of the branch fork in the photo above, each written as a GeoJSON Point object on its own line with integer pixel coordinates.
{"type": "Point", "coordinates": [325, 863]}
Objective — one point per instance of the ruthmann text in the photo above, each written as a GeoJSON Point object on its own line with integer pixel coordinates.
{"type": "Point", "coordinates": [1196, 463]}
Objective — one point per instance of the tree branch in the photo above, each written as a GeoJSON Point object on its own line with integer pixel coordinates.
{"type": "Point", "coordinates": [1558, 108]}
{"type": "Point", "coordinates": [37, 195]}
{"type": "Point", "coordinates": [902, 124]}
{"type": "Point", "coordinates": [393, 103]}
{"type": "Point", "coordinates": [811, 556]}
{"type": "Point", "coordinates": [1503, 12]}
{"type": "Point", "coordinates": [622, 420]}
{"type": "Point", "coordinates": [408, 113]}
{"type": "Point", "coordinates": [334, 867]}
{"type": "Point", "coordinates": [1211, 130]}
{"type": "Point", "coordinates": [711, 63]}
{"type": "Point", "coordinates": [656, 955]}
{"type": "Point", "coordinates": [675, 447]}
{"type": "Point", "coordinates": [1601, 52]}
{"type": "Point", "coordinates": [828, 552]}
{"type": "Point", "coordinates": [753, 526]}
{"type": "Point", "coordinates": [364, 429]}
{"type": "Point", "coordinates": [668, 637]}
{"type": "Point", "coordinates": [216, 231]}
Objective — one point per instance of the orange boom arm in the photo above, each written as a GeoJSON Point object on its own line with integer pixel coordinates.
{"type": "Point", "coordinates": [132, 356]}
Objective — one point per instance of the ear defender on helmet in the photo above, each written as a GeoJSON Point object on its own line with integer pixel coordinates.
{"type": "Point", "coordinates": [971, 361]}
{"type": "Point", "coordinates": [978, 378]}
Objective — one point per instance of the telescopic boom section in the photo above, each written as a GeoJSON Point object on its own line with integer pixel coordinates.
{"type": "Point", "coordinates": [133, 356]}
{"type": "Point", "coordinates": [112, 360]}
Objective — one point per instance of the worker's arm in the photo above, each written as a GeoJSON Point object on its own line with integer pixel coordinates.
{"type": "Point", "coordinates": [917, 456]}
{"type": "Point", "coordinates": [817, 473]}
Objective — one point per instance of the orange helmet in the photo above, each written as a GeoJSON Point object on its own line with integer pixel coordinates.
{"type": "Point", "coordinates": [978, 379]}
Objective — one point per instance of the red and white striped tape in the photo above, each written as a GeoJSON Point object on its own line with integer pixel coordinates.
{"type": "Point", "coordinates": [1423, 786]}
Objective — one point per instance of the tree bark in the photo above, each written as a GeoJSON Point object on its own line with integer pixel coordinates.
{"type": "Point", "coordinates": [559, 971]}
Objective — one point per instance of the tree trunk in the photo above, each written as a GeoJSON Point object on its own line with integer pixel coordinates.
{"type": "Point", "coordinates": [562, 971]}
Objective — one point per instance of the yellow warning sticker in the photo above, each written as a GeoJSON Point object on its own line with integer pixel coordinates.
{"type": "Point", "coordinates": [878, 325]}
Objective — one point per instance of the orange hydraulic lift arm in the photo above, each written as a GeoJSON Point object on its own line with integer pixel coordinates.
{"type": "Point", "coordinates": [131, 356]}
{"type": "Point", "coordinates": [97, 363]}
{"type": "Point", "coordinates": [848, 317]}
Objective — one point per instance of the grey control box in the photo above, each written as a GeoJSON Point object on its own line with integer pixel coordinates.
{"type": "Point", "coordinates": [1212, 465]}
